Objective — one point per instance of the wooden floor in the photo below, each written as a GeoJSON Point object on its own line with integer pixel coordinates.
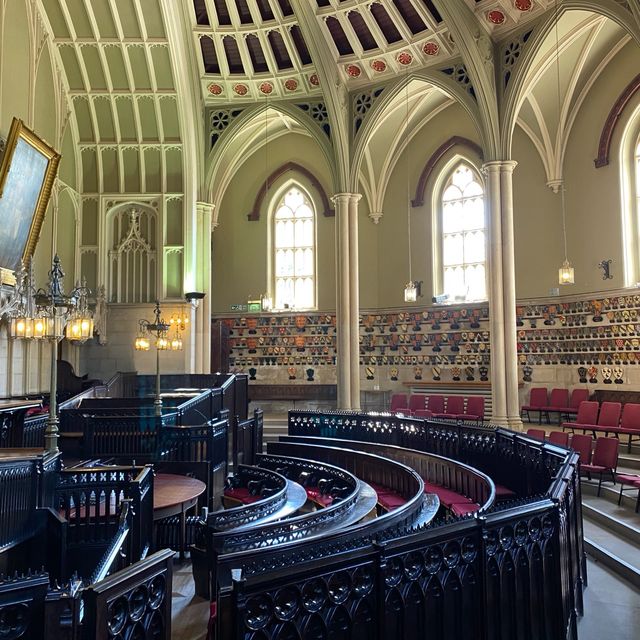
{"type": "Point", "coordinates": [189, 613]}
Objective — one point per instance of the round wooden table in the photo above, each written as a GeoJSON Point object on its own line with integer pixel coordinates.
{"type": "Point", "coordinates": [175, 495]}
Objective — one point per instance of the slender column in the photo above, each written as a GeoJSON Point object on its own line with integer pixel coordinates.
{"type": "Point", "coordinates": [509, 294]}
{"type": "Point", "coordinates": [496, 305]}
{"type": "Point", "coordinates": [354, 302]}
{"type": "Point", "coordinates": [51, 432]}
{"type": "Point", "coordinates": [343, 309]}
{"type": "Point", "coordinates": [202, 328]}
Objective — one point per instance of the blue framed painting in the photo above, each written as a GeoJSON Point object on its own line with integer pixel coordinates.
{"type": "Point", "coordinates": [29, 167]}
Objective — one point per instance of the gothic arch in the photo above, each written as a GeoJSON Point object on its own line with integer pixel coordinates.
{"type": "Point", "coordinates": [254, 214]}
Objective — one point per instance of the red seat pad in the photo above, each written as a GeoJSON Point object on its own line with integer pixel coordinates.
{"type": "Point", "coordinates": [625, 478]}
{"type": "Point", "coordinates": [586, 426]}
{"type": "Point", "coordinates": [501, 490]}
{"type": "Point", "coordinates": [445, 416]}
{"type": "Point", "coordinates": [447, 496]}
{"type": "Point", "coordinates": [592, 467]}
{"type": "Point", "coordinates": [461, 509]}
{"type": "Point", "coordinates": [391, 501]}
{"type": "Point", "coordinates": [529, 407]}
{"type": "Point", "coordinates": [467, 416]}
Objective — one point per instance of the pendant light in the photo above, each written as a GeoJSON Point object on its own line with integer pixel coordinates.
{"type": "Point", "coordinates": [566, 274]}
{"type": "Point", "coordinates": [411, 288]}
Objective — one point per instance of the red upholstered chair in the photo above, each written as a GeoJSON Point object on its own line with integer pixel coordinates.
{"type": "Point", "coordinates": [608, 420]}
{"type": "Point", "coordinates": [455, 406]}
{"type": "Point", "coordinates": [560, 438]}
{"type": "Point", "coordinates": [417, 401]}
{"type": "Point", "coordinates": [629, 423]}
{"type": "Point", "coordinates": [538, 398]}
{"type": "Point", "coordinates": [587, 415]}
{"type": "Point", "coordinates": [398, 400]}
{"type": "Point", "coordinates": [405, 411]}
{"type": "Point", "coordinates": [423, 413]}
{"type": "Point", "coordinates": [558, 401]}
{"type": "Point", "coordinates": [582, 444]}
{"type": "Point", "coordinates": [577, 396]}
{"type": "Point", "coordinates": [436, 404]}
{"type": "Point", "coordinates": [538, 434]}
{"type": "Point", "coordinates": [632, 481]}
{"type": "Point", "coordinates": [604, 460]}
{"type": "Point", "coordinates": [475, 409]}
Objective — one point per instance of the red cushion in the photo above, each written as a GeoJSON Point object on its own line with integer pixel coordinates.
{"type": "Point", "coordinates": [391, 501]}
{"type": "Point", "coordinates": [447, 496]}
{"type": "Point", "coordinates": [592, 467]}
{"type": "Point", "coordinates": [461, 509]}
{"type": "Point", "coordinates": [625, 478]}
{"type": "Point", "coordinates": [501, 490]}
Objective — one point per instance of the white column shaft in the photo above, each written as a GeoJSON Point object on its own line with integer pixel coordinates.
{"type": "Point", "coordinates": [496, 306]}
{"type": "Point", "coordinates": [354, 302]}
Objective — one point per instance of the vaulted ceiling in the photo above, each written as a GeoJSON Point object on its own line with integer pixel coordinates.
{"type": "Point", "coordinates": [253, 48]}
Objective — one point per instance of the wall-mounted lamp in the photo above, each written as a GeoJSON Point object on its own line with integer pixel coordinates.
{"type": "Point", "coordinates": [605, 265]}
{"type": "Point", "coordinates": [193, 298]}
{"type": "Point", "coordinates": [412, 290]}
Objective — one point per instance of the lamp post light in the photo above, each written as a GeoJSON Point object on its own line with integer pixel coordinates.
{"type": "Point", "coordinates": [157, 329]}
{"type": "Point", "coordinates": [49, 314]}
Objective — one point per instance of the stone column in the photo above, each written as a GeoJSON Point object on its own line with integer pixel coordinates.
{"type": "Point", "coordinates": [492, 171]}
{"type": "Point", "coordinates": [343, 307]}
{"type": "Point", "coordinates": [354, 302]}
{"type": "Point", "coordinates": [509, 295]}
{"type": "Point", "coordinates": [202, 328]}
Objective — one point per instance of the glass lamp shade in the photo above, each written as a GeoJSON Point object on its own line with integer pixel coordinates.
{"type": "Point", "coordinates": [176, 344]}
{"type": "Point", "coordinates": [79, 328]}
{"type": "Point", "coordinates": [162, 343]}
{"type": "Point", "coordinates": [142, 343]}
{"type": "Point", "coordinates": [410, 292]}
{"type": "Point", "coordinates": [21, 327]}
{"type": "Point", "coordinates": [39, 327]}
{"type": "Point", "coordinates": [54, 327]}
{"type": "Point", "coordinates": [566, 273]}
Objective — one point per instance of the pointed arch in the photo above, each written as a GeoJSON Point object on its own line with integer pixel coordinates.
{"type": "Point", "coordinates": [376, 116]}
{"type": "Point", "coordinates": [518, 83]}
{"type": "Point", "coordinates": [254, 214]}
{"type": "Point", "coordinates": [436, 158]}
{"type": "Point", "coordinates": [246, 136]}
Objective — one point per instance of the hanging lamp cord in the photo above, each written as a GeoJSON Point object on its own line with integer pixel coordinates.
{"type": "Point", "coordinates": [407, 168]}
{"type": "Point", "coordinates": [562, 191]}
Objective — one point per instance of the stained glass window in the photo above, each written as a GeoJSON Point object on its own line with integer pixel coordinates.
{"type": "Point", "coordinates": [294, 252]}
{"type": "Point", "coordinates": [464, 242]}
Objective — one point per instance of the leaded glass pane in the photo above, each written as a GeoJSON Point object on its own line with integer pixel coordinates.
{"type": "Point", "coordinates": [463, 236]}
{"type": "Point", "coordinates": [294, 252]}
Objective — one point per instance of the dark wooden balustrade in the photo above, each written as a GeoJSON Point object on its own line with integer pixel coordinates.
{"type": "Point", "coordinates": [514, 571]}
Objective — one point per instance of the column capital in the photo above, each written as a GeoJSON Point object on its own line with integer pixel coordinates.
{"type": "Point", "coordinates": [346, 197]}
{"type": "Point", "coordinates": [499, 165]}
{"type": "Point", "coordinates": [376, 216]}
{"type": "Point", "coordinates": [204, 208]}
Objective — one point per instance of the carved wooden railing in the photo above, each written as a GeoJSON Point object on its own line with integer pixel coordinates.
{"type": "Point", "coordinates": [453, 475]}
{"type": "Point", "coordinates": [132, 603]}
{"type": "Point", "coordinates": [233, 517]}
{"type": "Point", "coordinates": [247, 439]}
{"type": "Point", "coordinates": [89, 500]}
{"type": "Point", "coordinates": [515, 571]}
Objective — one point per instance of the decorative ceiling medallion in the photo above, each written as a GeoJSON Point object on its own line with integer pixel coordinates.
{"type": "Point", "coordinates": [353, 70]}
{"type": "Point", "coordinates": [215, 89]}
{"type": "Point", "coordinates": [291, 84]}
{"type": "Point", "coordinates": [266, 88]}
{"type": "Point", "coordinates": [241, 89]}
{"type": "Point", "coordinates": [379, 65]}
{"type": "Point", "coordinates": [314, 80]}
{"type": "Point", "coordinates": [431, 48]}
{"type": "Point", "coordinates": [496, 17]}
{"type": "Point", "coordinates": [524, 5]}
{"type": "Point", "coordinates": [404, 57]}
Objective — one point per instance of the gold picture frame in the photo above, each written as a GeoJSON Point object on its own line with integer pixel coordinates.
{"type": "Point", "coordinates": [28, 169]}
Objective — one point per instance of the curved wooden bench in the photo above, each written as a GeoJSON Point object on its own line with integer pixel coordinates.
{"type": "Point", "coordinates": [459, 487]}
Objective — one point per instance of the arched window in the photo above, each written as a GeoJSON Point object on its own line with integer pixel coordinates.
{"type": "Point", "coordinates": [294, 251]}
{"type": "Point", "coordinates": [630, 165]}
{"type": "Point", "coordinates": [463, 248]}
